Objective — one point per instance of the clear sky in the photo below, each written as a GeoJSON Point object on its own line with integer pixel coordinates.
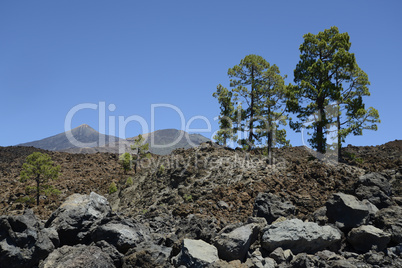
{"type": "Point", "coordinates": [129, 55]}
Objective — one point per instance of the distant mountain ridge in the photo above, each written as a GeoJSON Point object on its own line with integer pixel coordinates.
{"type": "Point", "coordinates": [161, 142]}
{"type": "Point", "coordinates": [84, 134]}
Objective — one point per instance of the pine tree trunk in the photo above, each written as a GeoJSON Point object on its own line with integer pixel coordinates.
{"type": "Point", "coordinates": [250, 137]}
{"type": "Point", "coordinates": [320, 126]}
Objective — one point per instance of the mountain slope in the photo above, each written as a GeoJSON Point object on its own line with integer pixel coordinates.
{"type": "Point", "coordinates": [164, 141]}
{"type": "Point", "coordinates": [84, 134]}
{"type": "Point", "coordinates": [161, 142]}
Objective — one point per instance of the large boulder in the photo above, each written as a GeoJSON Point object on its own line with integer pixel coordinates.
{"type": "Point", "coordinates": [196, 253]}
{"type": "Point", "coordinates": [75, 217]}
{"type": "Point", "coordinates": [299, 236]}
{"type": "Point", "coordinates": [271, 207]}
{"type": "Point", "coordinates": [233, 244]}
{"type": "Point", "coordinates": [390, 220]}
{"type": "Point", "coordinates": [24, 241]}
{"type": "Point", "coordinates": [375, 188]}
{"type": "Point", "coordinates": [79, 256]}
{"type": "Point", "coordinates": [365, 237]}
{"type": "Point", "coordinates": [347, 212]}
{"type": "Point", "coordinates": [121, 233]}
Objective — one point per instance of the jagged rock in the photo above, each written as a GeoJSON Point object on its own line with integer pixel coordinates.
{"type": "Point", "coordinates": [110, 250]}
{"type": "Point", "coordinates": [328, 255]}
{"type": "Point", "coordinates": [79, 256]}
{"type": "Point", "coordinates": [256, 260]}
{"type": "Point", "coordinates": [24, 241]}
{"type": "Point", "coordinates": [198, 228]}
{"type": "Point", "coordinates": [196, 253]}
{"type": "Point", "coordinates": [365, 237]}
{"type": "Point", "coordinates": [376, 179]}
{"type": "Point", "coordinates": [347, 212]}
{"type": "Point", "coordinates": [375, 188]}
{"type": "Point", "coordinates": [121, 233]}
{"type": "Point", "coordinates": [305, 260]}
{"type": "Point", "coordinates": [341, 264]}
{"type": "Point", "coordinates": [225, 264]}
{"type": "Point", "coordinates": [147, 255]}
{"type": "Point", "coordinates": [320, 216]}
{"type": "Point", "coordinates": [390, 220]}
{"type": "Point", "coordinates": [271, 207]}
{"type": "Point", "coordinates": [280, 255]}
{"type": "Point", "coordinates": [299, 236]}
{"type": "Point", "coordinates": [74, 218]}
{"type": "Point", "coordinates": [233, 243]}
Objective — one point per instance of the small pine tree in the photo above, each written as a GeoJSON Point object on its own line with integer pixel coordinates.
{"type": "Point", "coordinates": [129, 181]}
{"type": "Point", "coordinates": [125, 161]}
{"type": "Point", "coordinates": [112, 188]}
{"type": "Point", "coordinates": [142, 151]}
{"type": "Point", "coordinates": [39, 167]}
{"type": "Point", "coordinates": [226, 117]}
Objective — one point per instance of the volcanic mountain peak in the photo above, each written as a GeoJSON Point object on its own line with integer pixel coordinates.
{"type": "Point", "coordinates": [81, 136]}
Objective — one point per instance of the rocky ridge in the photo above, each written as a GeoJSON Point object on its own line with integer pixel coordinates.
{"type": "Point", "coordinates": [218, 207]}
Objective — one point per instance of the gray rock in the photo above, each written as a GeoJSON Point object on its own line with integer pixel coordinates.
{"type": "Point", "coordinates": [376, 179]}
{"type": "Point", "coordinates": [24, 241]}
{"type": "Point", "coordinates": [257, 261]}
{"type": "Point", "coordinates": [121, 233]}
{"type": "Point", "coordinates": [196, 253]}
{"type": "Point", "coordinates": [375, 188]}
{"type": "Point", "coordinates": [341, 264]}
{"type": "Point", "coordinates": [148, 254]}
{"type": "Point", "coordinates": [347, 212]}
{"type": "Point", "coordinates": [280, 255]}
{"type": "Point", "coordinates": [374, 195]}
{"type": "Point", "coordinates": [233, 244]}
{"type": "Point", "coordinates": [365, 237]}
{"type": "Point", "coordinates": [271, 207]}
{"type": "Point", "coordinates": [74, 218]}
{"type": "Point", "coordinates": [111, 251]}
{"type": "Point", "coordinates": [320, 216]}
{"type": "Point", "coordinates": [390, 220]}
{"type": "Point", "coordinates": [299, 236]}
{"type": "Point", "coordinates": [79, 256]}
{"type": "Point", "coordinates": [305, 260]}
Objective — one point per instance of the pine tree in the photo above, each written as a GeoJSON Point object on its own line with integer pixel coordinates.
{"type": "Point", "coordinates": [325, 66]}
{"type": "Point", "coordinates": [226, 118]}
{"type": "Point", "coordinates": [246, 82]}
{"type": "Point", "coordinates": [126, 161]}
{"type": "Point", "coordinates": [142, 151]}
{"type": "Point", "coordinates": [352, 117]}
{"type": "Point", "coordinates": [272, 110]}
{"type": "Point", "coordinates": [255, 104]}
{"type": "Point", "coordinates": [39, 167]}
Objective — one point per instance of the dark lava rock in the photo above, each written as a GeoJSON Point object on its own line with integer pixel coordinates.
{"type": "Point", "coordinates": [24, 241]}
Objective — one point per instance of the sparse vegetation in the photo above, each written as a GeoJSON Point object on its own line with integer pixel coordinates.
{"type": "Point", "coordinates": [188, 198]}
{"type": "Point", "coordinates": [112, 188]}
{"type": "Point", "coordinates": [142, 151]}
{"type": "Point", "coordinates": [161, 169]}
{"type": "Point", "coordinates": [40, 167]}
{"type": "Point", "coordinates": [126, 161]}
{"type": "Point", "coordinates": [129, 181]}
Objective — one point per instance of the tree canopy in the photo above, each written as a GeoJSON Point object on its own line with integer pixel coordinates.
{"type": "Point", "coordinates": [40, 167]}
{"type": "Point", "coordinates": [254, 106]}
{"type": "Point", "coordinates": [327, 75]}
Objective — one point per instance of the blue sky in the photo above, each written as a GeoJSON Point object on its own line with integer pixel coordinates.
{"type": "Point", "coordinates": [55, 55]}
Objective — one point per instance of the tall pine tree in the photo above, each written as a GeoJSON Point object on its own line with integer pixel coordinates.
{"type": "Point", "coordinates": [226, 127]}
{"type": "Point", "coordinates": [327, 75]}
